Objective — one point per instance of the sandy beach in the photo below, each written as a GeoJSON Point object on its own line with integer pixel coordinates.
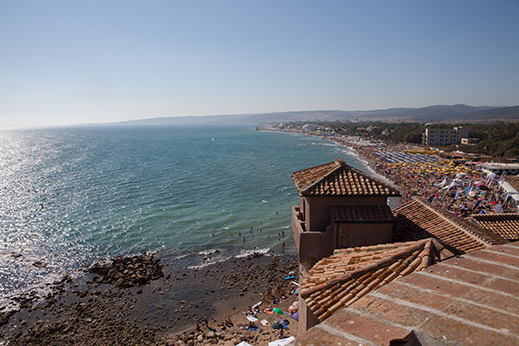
{"type": "Point", "coordinates": [162, 312]}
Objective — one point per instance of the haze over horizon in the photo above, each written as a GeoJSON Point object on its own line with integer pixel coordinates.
{"type": "Point", "coordinates": [68, 63]}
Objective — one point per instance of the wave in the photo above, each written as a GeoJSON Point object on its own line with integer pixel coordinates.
{"type": "Point", "coordinates": [209, 252]}
{"type": "Point", "coordinates": [247, 253]}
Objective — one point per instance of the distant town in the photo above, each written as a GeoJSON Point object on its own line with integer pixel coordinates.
{"type": "Point", "coordinates": [497, 141]}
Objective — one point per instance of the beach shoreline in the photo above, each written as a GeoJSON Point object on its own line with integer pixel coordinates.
{"type": "Point", "coordinates": [163, 311]}
{"type": "Point", "coordinates": [457, 188]}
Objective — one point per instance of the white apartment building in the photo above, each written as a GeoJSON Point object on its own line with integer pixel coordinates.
{"type": "Point", "coordinates": [444, 136]}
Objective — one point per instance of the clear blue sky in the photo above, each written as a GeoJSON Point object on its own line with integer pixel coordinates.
{"type": "Point", "coordinates": [68, 62]}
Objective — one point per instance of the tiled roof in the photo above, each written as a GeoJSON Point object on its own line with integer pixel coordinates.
{"type": "Point", "coordinates": [341, 279]}
{"type": "Point", "coordinates": [362, 213]}
{"type": "Point", "coordinates": [472, 299]}
{"type": "Point", "coordinates": [417, 219]}
{"type": "Point", "coordinates": [506, 225]}
{"type": "Point", "coordinates": [338, 179]}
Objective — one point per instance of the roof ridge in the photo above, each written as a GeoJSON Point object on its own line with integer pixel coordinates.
{"type": "Point", "coordinates": [339, 179]}
{"type": "Point", "coordinates": [363, 270]}
{"type": "Point", "coordinates": [306, 169]}
{"type": "Point", "coordinates": [491, 216]}
{"type": "Point", "coordinates": [333, 170]}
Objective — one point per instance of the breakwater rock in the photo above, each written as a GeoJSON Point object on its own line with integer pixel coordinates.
{"type": "Point", "coordinates": [126, 272]}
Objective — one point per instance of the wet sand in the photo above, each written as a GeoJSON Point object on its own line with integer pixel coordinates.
{"type": "Point", "coordinates": [163, 312]}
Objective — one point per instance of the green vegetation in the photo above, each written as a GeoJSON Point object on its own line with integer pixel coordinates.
{"type": "Point", "coordinates": [500, 139]}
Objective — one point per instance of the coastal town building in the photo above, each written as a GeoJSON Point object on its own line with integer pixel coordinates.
{"type": "Point", "coordinates": [309, 127]}
{"type": "Point", "coordinates": [422, 235]}
{"type": "Point", "coordinates": [444, 136]}
{"type": "Point", "coordinates": [499, 168]}
{"type": "Point", "coordinates": [468, 143]}
{"type": "Point", "coordinates": [366, 271]}
{"type": "Point", "coordinates": [339, 207]}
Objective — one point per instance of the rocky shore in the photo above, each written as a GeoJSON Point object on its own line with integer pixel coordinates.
{"type": "Point", "coordinates": [141, 301]}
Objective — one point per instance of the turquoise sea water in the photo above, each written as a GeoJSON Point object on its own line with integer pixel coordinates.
{"type": "Point", "coordinates": [73, 196]}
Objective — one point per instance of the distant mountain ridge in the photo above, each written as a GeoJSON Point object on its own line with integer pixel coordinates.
{"type": "Point", "coordinates": [459, 112]}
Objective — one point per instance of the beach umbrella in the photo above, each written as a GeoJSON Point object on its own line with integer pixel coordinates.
{"type": "Point", "coordinates": [296, 316]}
{"type": "Point", "coordinates": [278, 311]}
{"type": "Point", "coordinates": [294, 306]}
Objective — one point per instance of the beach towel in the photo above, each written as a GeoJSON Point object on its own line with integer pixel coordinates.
{"type": "Point", "coordinates": [279, 325]}
{"type": "Point", "coordinates": [251, 318]}
{"type": "Point", "coordinates": [252, 329]}
{"type": "Point", "coordinates": [282, 342]}
{"type": "Point", "coordinates": [265, 323]}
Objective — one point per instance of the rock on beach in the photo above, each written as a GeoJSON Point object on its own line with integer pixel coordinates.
{"type": "Point", "coordinates": [124, 272]}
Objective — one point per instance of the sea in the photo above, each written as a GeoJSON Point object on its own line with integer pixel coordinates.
{"type": "Point", "coordinates": [190, 194]}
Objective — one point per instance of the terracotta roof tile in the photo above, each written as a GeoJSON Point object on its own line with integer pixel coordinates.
{"type": "Point", "coordinates": [341, 279]}
{"type": "Point", "coordinates": [506, 225]}
{"type": "Point", "coordinates": [418, 219]}
{"type": "Point", "coordinates": [362, 213]}
{"type": "Point", "coordinates": [467, 300]}
{"type": "Point", "coordinates": [338, 179]}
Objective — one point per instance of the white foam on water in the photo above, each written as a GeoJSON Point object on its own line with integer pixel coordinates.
{"type": "Point", "coordinates": [247, 253]}
{"type": "Point", "coordinates": [209, 252]}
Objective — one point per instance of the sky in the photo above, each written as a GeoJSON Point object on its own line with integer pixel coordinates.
{"type": "Point", "coordinates": [75, 62]}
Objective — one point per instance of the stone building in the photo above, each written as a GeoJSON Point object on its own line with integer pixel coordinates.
{"type": "Point", "coordinates": [339, 207]}
{"type": "Point", "coordinates": [444, 136]}
{"type": "Point", "coordinates": [423, 236]}
{"type": "Point", "coordinates": [351, 244]}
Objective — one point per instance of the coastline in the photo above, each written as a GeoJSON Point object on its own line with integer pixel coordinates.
{"type": "Point", "coordinates": [160, 313]}
{"type": "Point", "coordinates": [459, 189]}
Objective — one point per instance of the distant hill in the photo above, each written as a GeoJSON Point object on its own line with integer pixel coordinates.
{"type": "Point", "coordinates": [506, 113]}
{"type": "Point", "coordinates": [459, 112]}
{"type": "Point", "coordinates": [425, 114]}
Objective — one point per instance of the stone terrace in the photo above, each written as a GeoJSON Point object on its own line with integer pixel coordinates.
{"type": "Point", "coordinates": [468, 300]}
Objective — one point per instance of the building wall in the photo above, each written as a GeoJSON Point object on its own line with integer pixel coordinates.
{"type": "Point", "coordinates": [316, 237]}
{"type": "Point", "coordinates": [307, 319]}
{"type": "Point", "coordinates": [317, 210]}
{"type": "Point", "coordinates": [363, 234]}
{"type": "Point", "coordinates": [499, 168]}
{"type": "Point", "coordinates": [444, 136]}
{"type": "Point", "coordinates": [311, 246]}
{"type": "Point", "coordinates": [461, 132]}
